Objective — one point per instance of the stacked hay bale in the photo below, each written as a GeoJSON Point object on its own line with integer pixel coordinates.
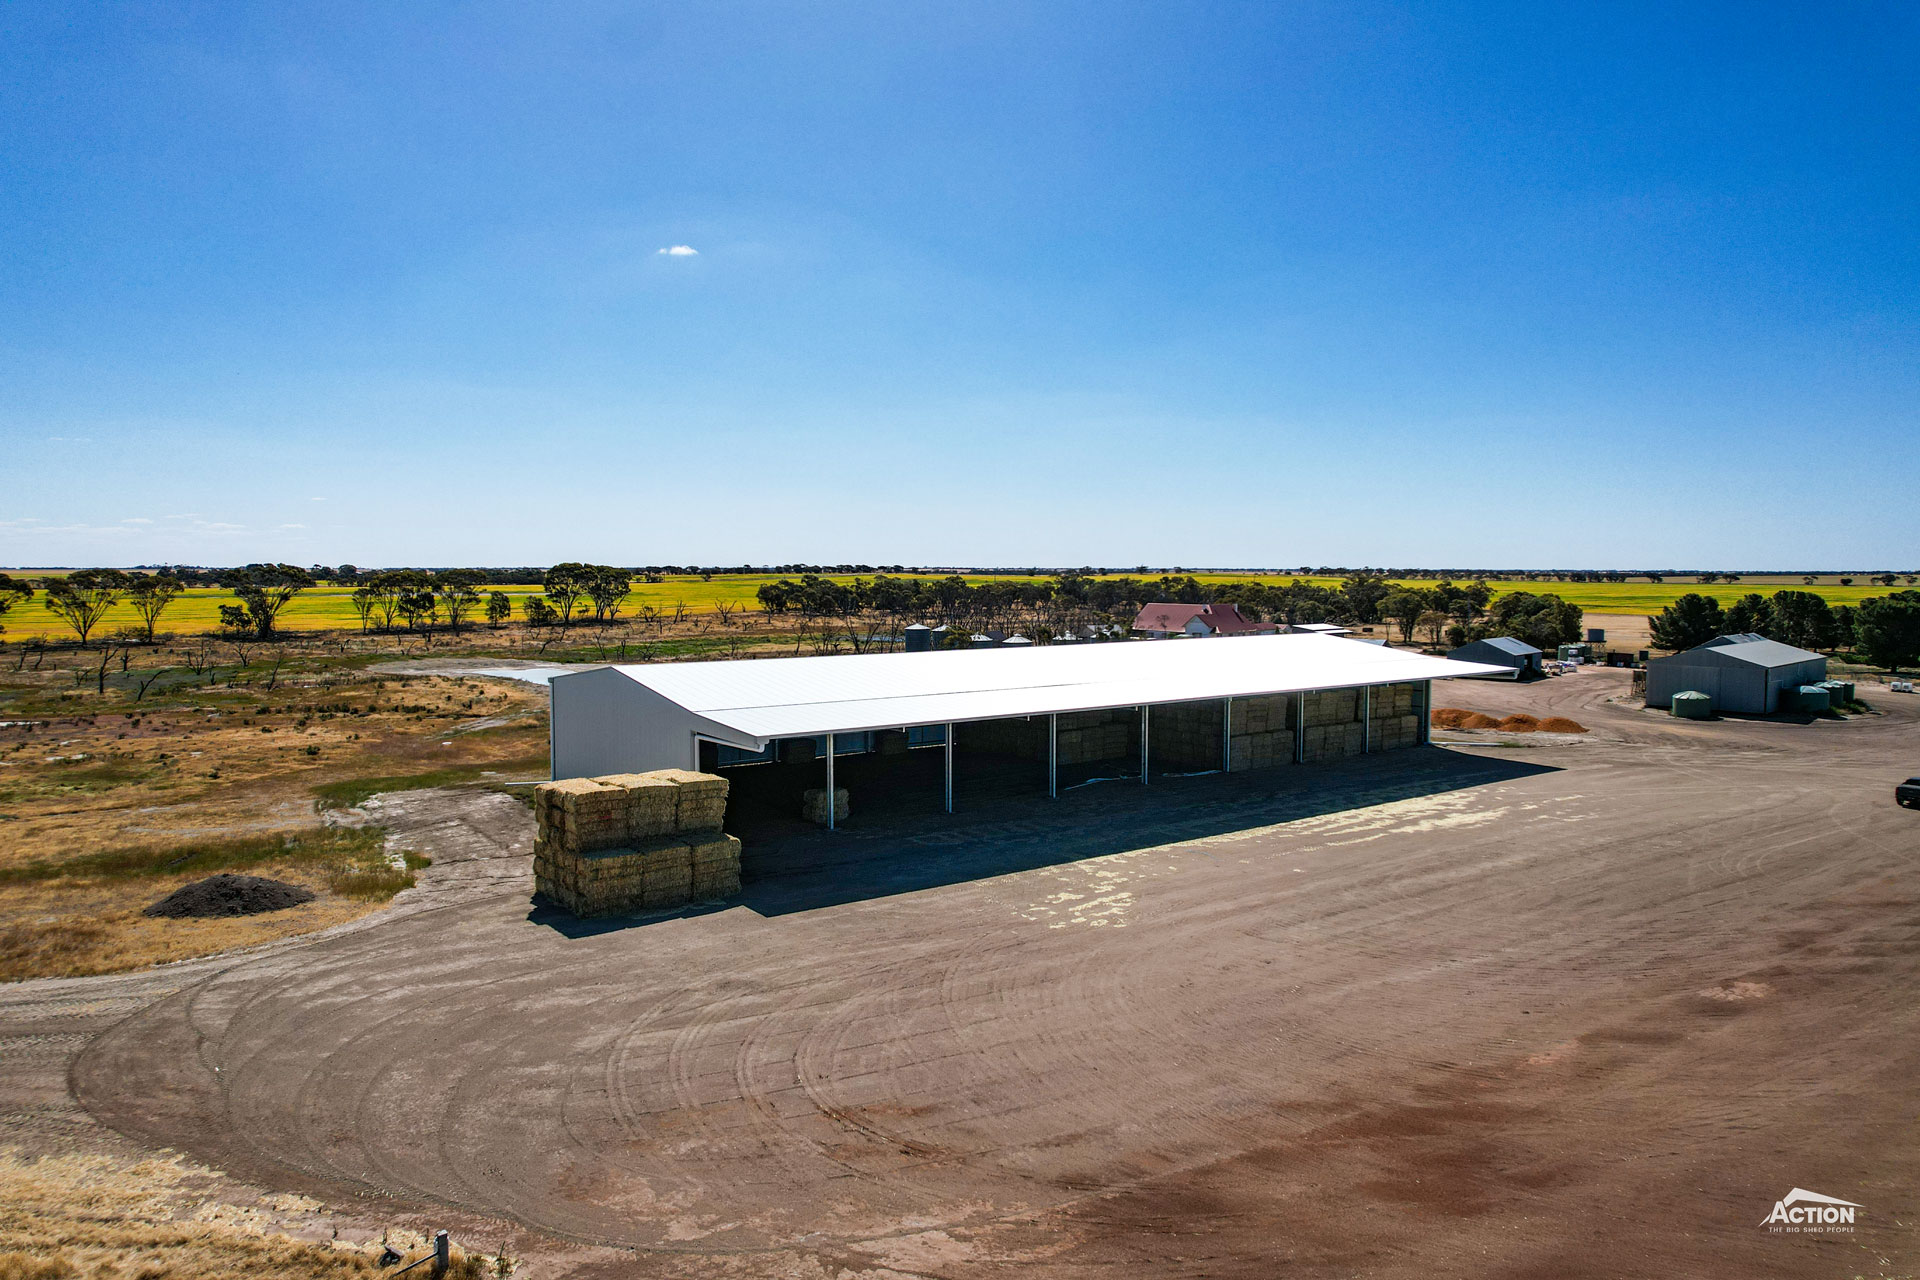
{"type": "Point", "coordinates": [1025, 737]}
{"type": "Point", "coordinates": [1087, 736]}
{"type": "Point", "coordinates": [1263, 731]}
{"type": "Point", "coordinates": [813, 805]}
{"type": "Point", "coordinates": [1336, 730]}
{"type": "Point", "coordinates": [1396, 716]}
{"type": "Point", "coordinates": [1333, 729]}
{"type": "Point", "coordinates": [634, 842]}
{"type": "Point", "coordinates": [1185, 736]}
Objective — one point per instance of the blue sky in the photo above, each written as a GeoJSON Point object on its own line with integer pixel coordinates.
{"type": "Point", "coordinates": [1208, 284]}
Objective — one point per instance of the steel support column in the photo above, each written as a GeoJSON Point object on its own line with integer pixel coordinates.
{"type": "Point", "coordinates": [1226, 737]}
{"type": "Point", "coordinates": [831, 797]}
{"type": "Point", "coordinates": [1053, 757]}
{"type": "Point", "coordinates": [1366, 719]}
{"type": "Point", "coordinates": [1300, 727]}
{"type": "Point", "coordinates": [1146, 767]}
{"type": "Point", "coordinates": [1424, 735]}
{"type": "Point", "coordinates": [949, 754]}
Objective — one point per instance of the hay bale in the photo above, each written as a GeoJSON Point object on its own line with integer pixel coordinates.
{"type": "Point", "coordinates": [813, 805]}
{"type": "Point", "coordinates": [667, 877]}
{"type": "Point", "coordinates": [711, 884]}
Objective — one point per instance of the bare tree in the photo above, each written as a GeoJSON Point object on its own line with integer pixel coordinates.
{"type": "Point", "coordinates": [107, 651]}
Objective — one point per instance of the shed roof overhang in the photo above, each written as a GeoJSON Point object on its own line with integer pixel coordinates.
{"type": "Point", "coordinates": [764, 699]}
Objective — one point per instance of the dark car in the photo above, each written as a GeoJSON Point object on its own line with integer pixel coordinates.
{"type": "Point", "coordinates": [1908, 793]}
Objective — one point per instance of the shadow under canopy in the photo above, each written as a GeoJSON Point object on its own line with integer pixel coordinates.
{"type": "Point", "coordinates": [909, 844]}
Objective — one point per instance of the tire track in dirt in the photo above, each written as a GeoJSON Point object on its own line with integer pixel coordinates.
{"type": "Point", "coordinates": [1461, 1024]}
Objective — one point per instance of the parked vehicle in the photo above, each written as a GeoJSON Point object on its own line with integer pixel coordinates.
{"type": "Point", "coordinates": [1908, 793]}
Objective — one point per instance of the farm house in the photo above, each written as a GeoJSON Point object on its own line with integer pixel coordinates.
{"type": "Point", "coordinates": [1166, 621]}
{"type": "Point", "coordinates": [976, 722]}
{"type": "Point", "coordinates": [1740, 673]}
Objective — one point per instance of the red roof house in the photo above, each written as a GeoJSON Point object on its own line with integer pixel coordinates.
{"type": "Point", "coordinates": [1162, 621]}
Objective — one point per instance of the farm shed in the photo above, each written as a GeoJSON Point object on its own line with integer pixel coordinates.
{"type": "Point", "coordinates": [1088, 708]}
{"type": "Point", "coordinates": [1738, 674]}
{"type": "Point", "coordinates": [1517, 656]}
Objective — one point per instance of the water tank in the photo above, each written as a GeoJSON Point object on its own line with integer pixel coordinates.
{"type": "Point", "coordinates": [1015, 642]}
{"type": "Point", "coordinates": [919, 638]}
{"type": "Point", "coordinates": [1596, 635]}
{"type": "Point", "coordinates": [982, 641]}
{"type": "Point", "coordinates": [1692, 705]}
{"type": "Point", "coordinates": [1813, 697]}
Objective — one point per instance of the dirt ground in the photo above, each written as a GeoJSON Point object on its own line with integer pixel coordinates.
{"type": "Point", "coordinates": [1581, 1006]}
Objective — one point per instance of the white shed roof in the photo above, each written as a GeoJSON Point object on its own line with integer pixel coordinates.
{"type": "Point", "coordinates": [794, 697]}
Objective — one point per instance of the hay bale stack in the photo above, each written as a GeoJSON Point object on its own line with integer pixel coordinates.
{"type": "Point", "coordinates": [1391, 701]}
{"type": "Point", "coordinates": [1333, 741]}
{"type": "Point", "coordinates": [1186, 735]}
{"type": "Point", "coordinates": [633, 842]}
{"type": "Point", "coordinates": [1087, 736]}
{"type": "Point", "coordinates": [1263, 731]}
{"type": "Point", "coordinates": [715, 863]}
{"type": "Point", "coordinates": [813, 805]}
{"type": "Point", "coordinates": [1397, 732]}
{"type": "Point", "coordinates": [1326, 707]}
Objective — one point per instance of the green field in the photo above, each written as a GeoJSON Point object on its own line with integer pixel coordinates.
{"type": "Point", "coordinates": [330, 608]}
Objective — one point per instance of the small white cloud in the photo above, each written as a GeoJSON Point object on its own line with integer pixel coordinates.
{"type": "Point", "coordinates": [316, 499]}
{"type": "Point", "coordinates": [681, 251]}
{"type": "Point", "coordinates": [293, 526]}
{"type": "Point", "coordinates": [136, 520]}
{"type": "Point", "coordinates": [89, 439]}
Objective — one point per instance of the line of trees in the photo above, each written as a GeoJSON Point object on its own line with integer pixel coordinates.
{"type": "Point", "coordinates": [867, 610]}
{"type": "Point", "coordinates": [81, 599]}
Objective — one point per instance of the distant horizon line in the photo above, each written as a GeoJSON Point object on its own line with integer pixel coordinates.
{"type": "Point", "coordinates": [844, 569]}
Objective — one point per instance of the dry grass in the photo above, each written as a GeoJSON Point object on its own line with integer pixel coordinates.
{"type": "Point", "coordinates": [83, 915]}
{"type": "Point", "coordinates": [101, 1217]}
{"type": "Point", "coordinates": [107, 804]}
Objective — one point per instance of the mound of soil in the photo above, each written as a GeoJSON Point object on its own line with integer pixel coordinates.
{"type": "Point", "coordinates": [1520, 723]}
{"type": "Point", "coordinates": [1560, 724]}
{"type": "Point", "coordinates": [226, 895]}
{"type": "Point", "coordinates": [1455, 718]}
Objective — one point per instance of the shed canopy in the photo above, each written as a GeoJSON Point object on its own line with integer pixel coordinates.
{"type": "Point", "coordinates": [769, 698]}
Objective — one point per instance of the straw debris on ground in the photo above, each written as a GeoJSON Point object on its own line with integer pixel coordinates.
{"type": "Point", "coordinates": [94, 1217]}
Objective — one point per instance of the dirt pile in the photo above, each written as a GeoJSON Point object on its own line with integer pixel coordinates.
{"type": "Point", "coordinates": [1455, 718]}
{"type": "Point", "coordinates": [227, 895]}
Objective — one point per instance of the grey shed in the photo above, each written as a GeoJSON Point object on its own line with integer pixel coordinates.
{"type": "Point", "coordinates": [1519, 657]}
{"type": "Point", "coordinates": [1740, 675]}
